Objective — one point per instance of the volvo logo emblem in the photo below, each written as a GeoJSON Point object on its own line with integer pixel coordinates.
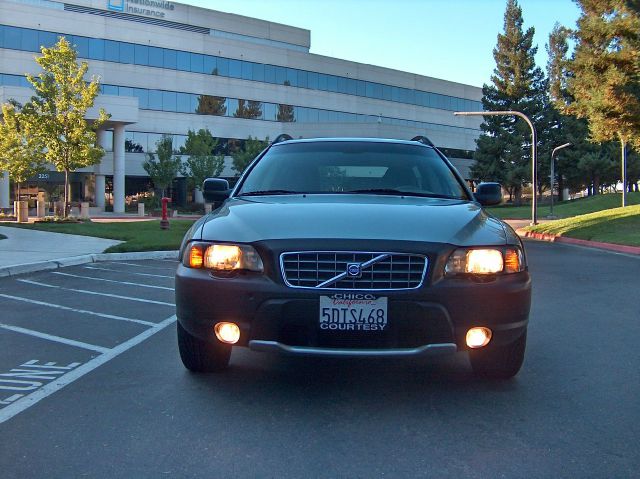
{"type": "Point", "coordinates": [354, 270]}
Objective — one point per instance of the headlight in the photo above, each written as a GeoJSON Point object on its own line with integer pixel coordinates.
{"type": "Point", "coordinates": [223, 257]}
{"type": "Point", "coordinates": [485, 261]}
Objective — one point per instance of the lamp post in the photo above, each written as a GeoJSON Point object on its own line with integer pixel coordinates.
{"type": "Point", "coordinates": [534, 170]}
{"type": "Point", "coordinates": [553, 174]}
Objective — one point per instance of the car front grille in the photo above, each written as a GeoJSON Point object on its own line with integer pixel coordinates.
{"type": "Point", "coordinates": [373, 271]}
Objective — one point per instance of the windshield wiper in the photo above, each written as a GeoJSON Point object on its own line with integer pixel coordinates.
{"type": "Point", "coordinates": [390, 191]}
{"type": "Point", "coordinates": [270, 192]}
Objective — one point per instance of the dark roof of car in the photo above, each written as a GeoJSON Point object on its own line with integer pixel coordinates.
{"type": "Point", "coordinates": [349, 140]}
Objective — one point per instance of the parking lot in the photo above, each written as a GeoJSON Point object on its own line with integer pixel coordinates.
{"type": "Point", "coordinates": [91, 385]}
{"type": "Point", "coordinates": [59, 325]}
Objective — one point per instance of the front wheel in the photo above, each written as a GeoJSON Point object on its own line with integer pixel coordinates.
{"type": "Point", "coordinates": [202, 356]}
{"type": "Point", "coordinates": [499, 362]}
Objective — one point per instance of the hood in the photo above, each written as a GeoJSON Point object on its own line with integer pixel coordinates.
{"type": "Point", "coordinates": [246, 220]}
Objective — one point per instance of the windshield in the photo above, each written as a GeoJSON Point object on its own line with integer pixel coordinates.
{"type": "Point", "coordinates": [352, 167]}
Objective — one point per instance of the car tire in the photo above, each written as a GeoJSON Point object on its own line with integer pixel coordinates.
{"type": "Point", "coordinates": [202, 356]}
{"type": "Point", "coordinates": [499, 362]}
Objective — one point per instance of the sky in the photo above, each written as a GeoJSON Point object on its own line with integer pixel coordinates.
{"type": "Point", "coordinates": [452, 40]}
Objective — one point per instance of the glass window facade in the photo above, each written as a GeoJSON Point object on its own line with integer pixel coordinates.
{"type": "Point", "coordinates": [26, 39]}
{"type": "Point", "coordinates": [181, 102]}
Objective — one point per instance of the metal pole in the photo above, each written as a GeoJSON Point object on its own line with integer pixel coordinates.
{"type": "Point", "coordinates": [624, 173]}
{"type": "Point", "coordinates": [553, 175]}
{"type": "Point", "coordinates": [534, 160]}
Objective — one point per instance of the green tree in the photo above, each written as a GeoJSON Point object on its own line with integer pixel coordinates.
{"type": "Point", "coordinates": [62, 98]}
{"type": "Point", "coordinates": [564, 128]}
{"type": "Point", "coordinates": [249, 109]}
{"type": "Point", "coordinates": [163, 170]}
{"type": "Point", "coordinates": [603, 75]}
{"type": "Point", "coordinates": [20, 154]}
{"type": "Point", "coordinates": [211, 105]}
{"type": "Point", "coordinates": [202, 163]}
{"type": "Point", "coordinates": [251, 148]}
{"type": "Point", "coordinates": [503, 150]}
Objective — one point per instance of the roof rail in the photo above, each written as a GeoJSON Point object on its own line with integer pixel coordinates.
{"type": "Point", "coordinates": [281, 138]}
{"type": "Point", "coordinates": [423, 139]}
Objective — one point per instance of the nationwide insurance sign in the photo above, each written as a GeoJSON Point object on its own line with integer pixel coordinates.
{"type": "Point", "coordinates": [148, 8]}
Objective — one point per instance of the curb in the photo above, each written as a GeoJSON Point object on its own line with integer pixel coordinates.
{"type": "Point", "coordinates": [87, 258]}
{"type": "Point", "coordinates": [551, 238]}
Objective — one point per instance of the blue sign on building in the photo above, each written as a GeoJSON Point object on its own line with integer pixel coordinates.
{"type": "Point", "coordinates": [115, 5]}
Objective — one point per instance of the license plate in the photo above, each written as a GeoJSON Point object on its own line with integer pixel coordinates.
{"type": "Point", "coordinates": [353, 312]}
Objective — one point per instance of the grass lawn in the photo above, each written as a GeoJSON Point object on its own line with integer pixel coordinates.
{"type": "Point", "coordinates": [617, 225]}
{"type": "Point", "coordinates": [567, 209]}
{"type": "Point", "coordinates": [138, 235]}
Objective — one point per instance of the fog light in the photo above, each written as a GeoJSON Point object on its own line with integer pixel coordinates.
{"type": "Point", "coordinates": [227, 332]}
{"type": "Point", "coordinates": [478, 337]}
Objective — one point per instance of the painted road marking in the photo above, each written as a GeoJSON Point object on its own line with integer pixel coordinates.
{"type": "Point", "coordinates": [142, 266]}
{"type": "Point", "coordinates": [30, 370]}
{"type": "Point", "coordinates": [84, 291]}
{"type": "Point", "coordinates": [81, 311]}
{"type": "Point", "coordinates": [130, 272]}
{"type": "Point", "coordinates": [18, 406]}
{"type": "Point", "coordinates": [57, 339]}
{"type": "Point", "coordinates": [112, 281]}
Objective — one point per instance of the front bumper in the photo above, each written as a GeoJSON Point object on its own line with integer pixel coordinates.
{"type": "Point", "coordinates": [430, 320]}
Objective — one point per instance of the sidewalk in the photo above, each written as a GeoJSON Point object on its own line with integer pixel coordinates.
{"type": "Point", "coordinates": [24, 246]}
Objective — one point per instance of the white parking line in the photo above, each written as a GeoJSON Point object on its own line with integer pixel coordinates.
{"type": "Point", "coordinates": [130, 272]}
{"type": "Point", "coordinates": [84, 291]}
{"type": "Point", "coordinates": [112, 281]}
{"type": "Point", "coordinates": [57, 339]}
{"type": "Point", "coordinates": [27, 401]}
{"type": "Point", "coordinates": [142, 266]}
{"type": "Point", "coordinates": [75, 310]}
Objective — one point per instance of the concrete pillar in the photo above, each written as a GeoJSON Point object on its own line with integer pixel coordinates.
{"type": "Point", "coordinates": [4, 190]}
{"type": "Point", "coordinates": [140, 209]}
{"type": "Point", "coordinates": [197, 196]}
{"type": "Point", "coordinates": [40, 208]}
{"type": "Point", "coordinates": [100, 190]}
{"type": "Point", "coordinates": [118, 169]}
{"type": "Point", "coordinates": [84, 210]}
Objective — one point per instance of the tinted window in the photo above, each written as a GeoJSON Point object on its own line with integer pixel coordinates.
{"type": "Point", "coordinates": [29, 40]}
{"type": "Point", "coordinates": [209, 65]}
{"type": "Point", "coordinates": [48, 39]}
{"type": "Point", "coordinates": [111, 51]}
{"type": "Point", "coordinates": [156, 57]}
{"type": "Point", "coordinates": [170, 59]}
{"type": "Point", "coordinates": [183, 61]}
{"type": "Point", "coordinates": [82, 46]}
{"type": "Point", "coordinates": [141, 55]}
{"type": "Point", "coordinates": [341, 167]}
{"type": "Point", "coordinates": [155, 100]}
{"type": "Point", "coordinates": [235, 69]}
{"type": "Point", "coordinates": [197, 63]}
{"type": "Point", "coordinates": [127, 53]}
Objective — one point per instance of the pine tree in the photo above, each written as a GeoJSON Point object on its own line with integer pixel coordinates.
{"type": "Point", "coordinates": [503, 151]}
{"type": "Point", "coordinates": [603, 77]}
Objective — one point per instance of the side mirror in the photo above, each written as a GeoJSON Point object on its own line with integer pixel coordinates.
{"type": "Point", "coordinates": [215, 189]}
{"type": "Point", "coordinates": [489, 194]}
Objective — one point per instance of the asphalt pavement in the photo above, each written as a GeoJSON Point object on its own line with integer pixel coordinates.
{"type": "Point", "coordinates": [91, 385]}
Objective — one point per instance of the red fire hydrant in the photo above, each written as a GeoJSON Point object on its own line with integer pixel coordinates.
{"type": "Point", "coordinates": [164, 222]}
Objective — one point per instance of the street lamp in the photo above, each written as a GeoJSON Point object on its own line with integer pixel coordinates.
{"type": "Point", "coordinates": [553, 175]}
{"type": "Point", "coordinates": [534, 171]}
